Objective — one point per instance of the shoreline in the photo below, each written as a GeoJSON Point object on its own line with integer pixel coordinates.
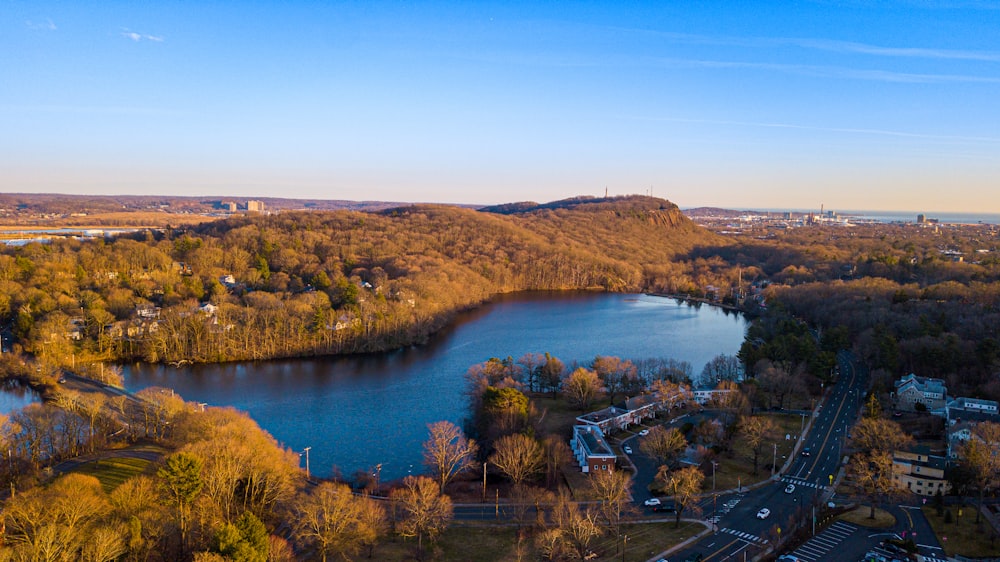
{"type": "Point", "coordinates": [700, 300]}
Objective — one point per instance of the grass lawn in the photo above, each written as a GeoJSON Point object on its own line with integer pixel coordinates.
{"type": "Point", "coordinates": [557, 417]}
{"type": "Point", "coordinates": [964, 536]}
{"type": "Point", "coordinates": [120, 466]}
{"type": "Point", "coordinates": [859, 516]}
{"type": "Point", "coordinates": [736, 467]}
{"type": "Point", "coordinates": [500, 544]}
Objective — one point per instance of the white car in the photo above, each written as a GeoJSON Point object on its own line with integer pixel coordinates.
{"type": "Point", "coordinates": [644, 432]}
{"type": "Point", "coordinates": [628, 450]}
{"type": "Point", "coordinates": [789, 488]}
{"type": "Point", "coordinates": [651, 502]}
{"type": "Point", "coordinates": [764, 513]}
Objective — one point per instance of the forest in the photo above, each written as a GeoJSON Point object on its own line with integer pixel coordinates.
{"type": "Point", "coordinates": [318, 283]}
{"type": "Point", "coordinates": [904, 298]}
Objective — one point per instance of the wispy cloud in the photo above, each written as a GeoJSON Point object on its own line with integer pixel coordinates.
{"type": "Point", "coordinates": [128, 34]}
{"type": "Point", "coordinates": [819, 44]}
{"type": "Point", "coordinates": [911, 52]}
{"type": "Point", "coordinates": [832, 71]}
{"type": "Point", "coordinates": [47, 25]}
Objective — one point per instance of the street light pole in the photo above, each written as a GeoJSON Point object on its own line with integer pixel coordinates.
{"type": "Point", "coordinates": [484, 481]}
{"type": "Point", "coordinates": [715, 513]}
{"type": "Point", "coordinates": [378, 476]}
{"type": "Point", "coordinates": [774, 459]}
{"type": "Point", "coordinates": [714, 464]}
{"type": "Point", "coordinates": [306, 451]}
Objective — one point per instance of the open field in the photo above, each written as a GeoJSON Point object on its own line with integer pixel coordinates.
{"type": "Point", "coordinates": [116, 466]}
{"type": "Point", "coordinates": [501, 544]}
{"type": "Point", "coordinates": [963, 535]}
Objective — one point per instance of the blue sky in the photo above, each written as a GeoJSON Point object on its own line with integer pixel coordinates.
{"type": "Point", "coordinates": [791, 104]}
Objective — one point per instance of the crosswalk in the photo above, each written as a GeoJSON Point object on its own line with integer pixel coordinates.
{"type": "Point", "coordinates": [743, 535]}
{"type": "Point", "coordinates": [818, 547]}
{"type": "Point", "coordinates": [799, 482]}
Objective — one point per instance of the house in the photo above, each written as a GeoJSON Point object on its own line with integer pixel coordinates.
{"type": "Point", "coordinates": [147, 312]}
{"type": "Point", "coordinates": [912, 390]}
{"type": "Point", "coordinates": [705, 395]}
{"type": "Point", "coordinates": [612, 418]}
{"type": "Point", "coordinates": [972, 409]}
{"type": "Point", "coordinates": [958, 433]}
{"type": "Point", "coordinates": [920, 472]}
{"type": "Point", "coordinates": [591, 450]}
{"type": "Point", "coordinates": [634, 410]}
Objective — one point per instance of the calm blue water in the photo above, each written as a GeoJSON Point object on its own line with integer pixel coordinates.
{"type": "Point", "coordinates": [947, 218]}
{"type": "Point", "coordinates": [906, 216]}
{"type": "Point", "coordinates": [357, 412]}
{"type": "Point", "coordinates": [14, 396]}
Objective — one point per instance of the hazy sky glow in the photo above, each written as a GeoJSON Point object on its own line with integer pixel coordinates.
{"type": "Point", "coordinates": [856, 105]}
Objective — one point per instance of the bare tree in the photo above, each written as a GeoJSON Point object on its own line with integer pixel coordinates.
{"type": "Point", "coordinates": [330, 520]}
{"type": "Point", "coordinates": [581, 388]}
{"type": "Point", "coordinates": [611, 489]}
{"type": "Point", "coordinates": [425, 511]}
{"type": "Point", "coordinates": [578, 526]}
{"type": "Point", "coordinates": [664, 445]}
{"type": "Point", "coordinates": [755, 431]}
{"type": "Point", "coordinates": [672, 395]}
{"type": "Point", "coordinates": [530, 364]}
{"type": "Point", "coordinates": [871, 473]}
{"type": "Point", "coordinates": [557, 452]}
{"type": "Point", "coordinates": [879, 434]}
{"type": "Point", "coordinates": [720, 368]}
{"type": "Point", "coordinates": [684, 485]}
{"type": "Point", "coordinates": [448, 452]}
{"type": "Point", "coordinates": [518, 456]}
{"type": "Point", "coordinates": [775, 380]}
{"type": "Point", "coordinates": [618, 376]}
{"type": "Point", "coordinates": [979, 454]}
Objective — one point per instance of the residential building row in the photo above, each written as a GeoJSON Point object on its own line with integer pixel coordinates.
{"type": "Point", "coordinates": [917, 470]}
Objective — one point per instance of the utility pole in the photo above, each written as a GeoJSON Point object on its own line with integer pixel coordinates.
{"type": "Point", "coordinates": [484, 481]}
{"type": "Point", "coordinates": [306, 451]}
{"type": "Point", "coordinates": [774, 459]}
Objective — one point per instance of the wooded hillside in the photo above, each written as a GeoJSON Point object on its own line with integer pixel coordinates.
{"type": "Point", "coordinates": [307, 283]}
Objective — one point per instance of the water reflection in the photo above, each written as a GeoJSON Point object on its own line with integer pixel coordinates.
{"type": "Point", "coordinates": [356, 412]}
{"type": "Point", "coordinates": [14, 396]}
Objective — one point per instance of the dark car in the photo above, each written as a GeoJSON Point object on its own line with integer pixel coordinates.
{"type": "Point", "coordinates": [806, 452]}
{"type": "Point", "coordinates": [665, 508]}
{"type": "Point", "coordinates": [696, 557]}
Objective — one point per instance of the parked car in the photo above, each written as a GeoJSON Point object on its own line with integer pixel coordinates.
{"type": "Point", "coordinates": [764, 513]}
{"type": "Point", "coordinates": [627, 449]}
{"type": "Point", "coordinates": [651, 502]}
{"type": "Point", "coordinates": [789, 488]}
{"type": "Point", "coordinates": [665, 508]}
{"type": "Point", "coordinates": [644, 432]}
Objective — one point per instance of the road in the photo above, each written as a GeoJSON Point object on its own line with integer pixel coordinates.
{"type": "Point", "coordinates": [739, 533]}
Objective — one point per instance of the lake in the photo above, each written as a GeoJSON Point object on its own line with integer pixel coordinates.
{"type": "Point", "coordinates": [14, 396]}
{"type": "Point", "coordinates": [359, 411]}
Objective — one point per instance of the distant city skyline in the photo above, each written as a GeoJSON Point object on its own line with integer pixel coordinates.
{"type": "Point", "coordinates": [855, 105]}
